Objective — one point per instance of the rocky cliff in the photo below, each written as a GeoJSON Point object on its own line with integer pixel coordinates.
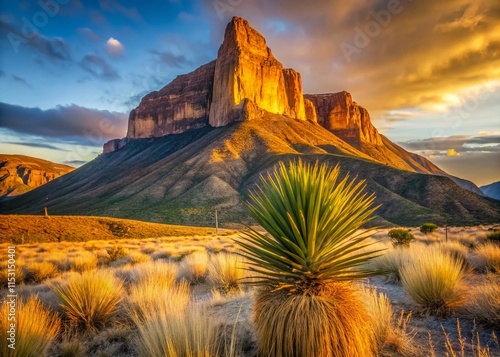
{"type": "Point", "coordinates": [20, 174]}
{"type": "Point", "coordinates": [246, 71]}
{"type": "Point", "coordinates": [338, 113]}
{"type": "Point", "coordinates": [181, 105]}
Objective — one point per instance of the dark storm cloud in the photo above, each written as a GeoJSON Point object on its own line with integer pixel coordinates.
{"type": "Point", "coordinates": [71, 124]}
{"type": "Point", "coordinates": [99, 68]}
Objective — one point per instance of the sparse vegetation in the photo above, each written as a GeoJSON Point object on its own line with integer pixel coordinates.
{"type": "Point", "coordinates": [35, 330]}
{"type": "Point", "coordinates": [116, 252]}
{"type": "Point", "coordinates": [400, 237]}
{"type": "Point", "coordinates": [90, 300]}
{"type": "Point", "coordinates": [303, 265]}
{"type": "Point", "coordinates": [484, 302]}
{"type": "Point", "coordinates": [494, 236]}
{"type": "Point", "coordinates": [427, 228]}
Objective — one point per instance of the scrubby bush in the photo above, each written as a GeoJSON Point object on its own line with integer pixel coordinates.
{"type": "Point", "coordinates": [427, 228]}
{"type": "Point", "coordinates": [90, 300]}
{"type": "Point", "coordinates": [36, 329]}
{"type": "Point", "coordinates": [400, 237]}
{"type": "Point", "coordinates": [117, 252]}
{"type": "Point", "coordinates": [305, 305]}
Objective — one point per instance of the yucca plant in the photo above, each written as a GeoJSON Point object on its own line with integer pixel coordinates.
{"type": "Point", "coordinates": [304, 264]}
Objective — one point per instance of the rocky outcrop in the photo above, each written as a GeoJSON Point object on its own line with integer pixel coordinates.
{"type": "Point", "coordinates": [310, 110]}
{"type": "Point", "coordinates": [338, 113]}
{"type": "Point", "coordinates": [114, 145]}
{"type": "Point", "coordinates": [181, 105]}
{"type": "Point", "coordinates": [20, 174]}
{"type": "Point", "coordinates": [246, 71]}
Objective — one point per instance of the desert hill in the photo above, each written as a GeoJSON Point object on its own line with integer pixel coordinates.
{"type": "Point", "coordinates": [201, 143]}
{"type": "Point", "coordinates": [20, 174]}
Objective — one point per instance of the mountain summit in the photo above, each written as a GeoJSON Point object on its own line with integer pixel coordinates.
{"type": "Point", "coordinates": [202, 141]}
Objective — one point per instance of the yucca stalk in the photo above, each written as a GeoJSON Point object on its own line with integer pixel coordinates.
{"type": "Point", "coordinates": [312, 217]}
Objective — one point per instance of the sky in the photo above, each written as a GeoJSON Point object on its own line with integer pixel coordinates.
{"type": "Point", "coordinates": [427, 71]}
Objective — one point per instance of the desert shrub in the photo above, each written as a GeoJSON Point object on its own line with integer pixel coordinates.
{"type": "Point", "coordinates": [117, 252]}
{"type": "Point", "coordinates": [494, 236]}
{"type": "Point", "coordinates": [39, 271]}
{"type": "Point", "coordinates": [400, 237]}
{"type": "Point", "coordinates": [391, 262]}
{"type": "Point", "coordinates": [90, 300]}
{"type": "Point", "coordinates": [36, 329]}
{"type": "Point", "coordinates": [427, 228]}
{"type": "Point", "coordinates": [484, 302]}
{"type": "Point", "coordinates": [194, 266]}
{"type": "Point", "coordinates": [487, 257]}
{"type": "Point", "coordinates": [304, 305]}
{"type": "Point", "coordinates": [83, 263]}
{"type": "Point", "coordinates": [433, 280]}
{"type": "Point", "coordinates": [226, 271]}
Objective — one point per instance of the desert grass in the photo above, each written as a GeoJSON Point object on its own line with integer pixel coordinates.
{"type": "Point", "coordinates": [18, 271]}
{"type": "Point", "coordinates": [390, 262]}
{"type": "Point", "coordinates": [389, 334]}
{"type": "Point", "coordinates": [483, 304]}
{"type": "Point", "coordinates": [433, 279]}
{"type": "Point", "coordinates": [190, 334]}
{"type": "Point", "coordinates": [289, 323]}
{"type": "Point", "coordinates": [83, 262]}
{"type": "Point", "coordinates": [37, 272]}
{"type": "Point", "coordinates": [36, 329]}
{"type": "Point", "coordinates": [226, 271]}
{"type": "Point", "coordinates": [150, 296]}
{"type": "Point", "coordinates": [90, 300]}
{"type": "Point", "coordinates": [487, 257]}
{"type": "Point", "coordinates": [194, 267]}
{"type": "Point", "coordinates": [477, 349]}
{"type": "Point", "coordinates": [164, 273]}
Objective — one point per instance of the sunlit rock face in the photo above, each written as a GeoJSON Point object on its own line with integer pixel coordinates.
{"type": "Point", "coordinates": [246, 71]}
{"type": "Point", "coordinates": [338, 113]}
{"type": "Point", "coordinates": [181, 105]}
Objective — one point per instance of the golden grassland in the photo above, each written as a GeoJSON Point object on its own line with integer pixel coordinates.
{"type": "Point", "coordinates": [24, 229]}
{"type": "Point", "coordinates": [184, 296]}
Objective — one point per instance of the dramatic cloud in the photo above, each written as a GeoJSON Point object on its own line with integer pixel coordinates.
{"type": "Point", "coordinates": [114, 48]}
{"type": "Point", "coordinates": [486, 143]}
{"type": "Point", "coordinates": [35, 145]}
{"type": "Point", "coordinates": [99, 68]}
{"type": "Point", "coordinates": [71, 124]}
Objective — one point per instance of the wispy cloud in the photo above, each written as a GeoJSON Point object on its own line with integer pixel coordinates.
{"type": "Point", "coordinates": [35, 145]}
{"type": "Point", "coordinates": [21, 80]}
{"type": "Point", "coordinates": [115, 7]}
{"type": "Point", "coordinates": [99, 68]}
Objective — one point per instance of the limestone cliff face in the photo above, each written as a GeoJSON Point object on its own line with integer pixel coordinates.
{"type": "Point", "coordinates": [338, 113]}
{"type": "Point", "coordinates": [181, 105]}
{"type": "Point", "coordinates": [246, 71]}
{"type": "Point", "coordinates": [310, 111]}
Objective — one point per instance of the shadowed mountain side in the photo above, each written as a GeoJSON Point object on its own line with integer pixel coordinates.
{"type": "Point", "coordinates": [183, 178]}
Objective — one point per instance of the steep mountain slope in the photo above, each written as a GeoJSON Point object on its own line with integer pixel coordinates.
{"type": "Point", "coordinates": [182, 178]}
{"type": "Point", "coordinates": [20, 174]}
{"type": "Point", "coordinates": [492, 190]}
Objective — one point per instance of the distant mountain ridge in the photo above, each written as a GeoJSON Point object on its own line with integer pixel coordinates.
{"type": "Point", "coordinates": [492, 190]}
{"type": "Point", "coordinates": [20, 174]}
{"type": "Point", "coordinates": [202, 142]}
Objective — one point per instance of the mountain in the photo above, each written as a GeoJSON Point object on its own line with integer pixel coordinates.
{"type": "Point", "coordinates": [202, 142]}
{"type": "Point", "coordinates": [492, 190]}
{"type": "Point", "coordinates": [20, 174]}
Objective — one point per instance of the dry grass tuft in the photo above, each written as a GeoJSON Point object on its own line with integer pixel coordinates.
{"type": "Point", "coordinates": [163, 273]}
{"type": "Point", "coordinates": [37, 272]}
{"type": "Point", "coordinates": [90, 300]}
{"type": "Point", "coordinates": [225, 272]}
{"type": "Point", "coordinates": [194, 267]}
{"type": "Point", "coordinates": [333, 323]}
{"type": "Point", "coordinates": [487, 257]}
{"type": "Point", "coordinates": [36, 329]}
{"type": "Point", "coordinates": [391, 262]}
{"type": "Point", "coordinates": [84, 262]}
{"type": "Point", "coordinates": [484, 302]}
{"type": "Point", "coordinates": [433, 279]}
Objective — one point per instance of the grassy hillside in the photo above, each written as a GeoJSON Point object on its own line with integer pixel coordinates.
{"type": "Point", "coordinates": [21, 229]}
{"type": "Point", "coordinates": [183, 178]}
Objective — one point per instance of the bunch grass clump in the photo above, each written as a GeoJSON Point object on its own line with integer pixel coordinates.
{"type": "Point", "coordinates": [195, 266]}
{"type": "Point", "coordinates": [433, 279]}
{"type": "Point", "coordinates": [90, 300]}
{"type": "Point", "coordinates": [487, 257]}
{"type": "Point", "coordinates": [305, 305]}
{"type": "Point", "coordinates": [39, 271]}
{"type": "Point", "coordinates": [36, 329]}
{"type": "Point", "coordinates": [226, 271]}
{"type": "Point", "coordinates": [484, 302]}
{"type": "Point", "coordinates": [83, 263]}
{"type": "Point", "coordinates": [391, 262]}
